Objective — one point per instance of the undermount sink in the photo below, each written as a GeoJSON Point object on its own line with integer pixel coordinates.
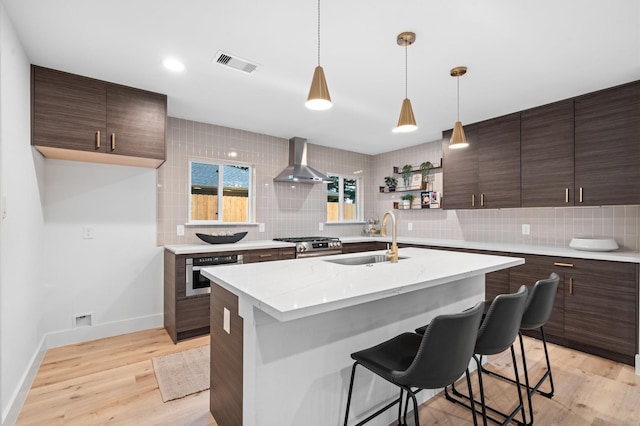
{"type": "Point", "coordinates": [362, 260]}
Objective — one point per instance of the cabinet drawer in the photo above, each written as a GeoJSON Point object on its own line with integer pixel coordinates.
{"type": "Point", "coordinates": [365, 246]}
{"type": "Point", "coordinates": [260, 256]}
{"type": "Point", "coordinates": [288, 253]}
{"type": "Point", "coordinates": [254, 256]}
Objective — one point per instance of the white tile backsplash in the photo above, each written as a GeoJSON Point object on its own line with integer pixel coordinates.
{"type": "Point", "coordinates": [288, 210]}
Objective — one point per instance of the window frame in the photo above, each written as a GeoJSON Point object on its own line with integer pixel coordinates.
{"type": "Point", "coordinates": [251, 202]}
{"type": "Point", "coordinates": [359, 201]}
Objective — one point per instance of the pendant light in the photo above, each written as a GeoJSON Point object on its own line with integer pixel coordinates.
{"type": "Point", "coordinates": [319, 97]}
{"type": "Point", "coordinates": [458, 139]}
{"type": "Point", "coordinates": [406, 122]}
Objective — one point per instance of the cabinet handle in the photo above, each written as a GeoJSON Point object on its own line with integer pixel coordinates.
{"type": "Point", "coordinates": [264, 255]}
{"type": "Point", "coordinates": [113, 141]}
{"type": "Point", "coordinates": [566, 265]}
{"type": "Point", "coordinates": [580, 194]}
{"type": "Point", "coordinates": [570, 285]}
{"type": "Point", "coordinates": [98, 139]}
{"type": "Point", "coordinates": [566, 195]}
{"type": "Point", "coordinates": [481, 200]}
{"type": "Point", "coordinates": [473, 200]}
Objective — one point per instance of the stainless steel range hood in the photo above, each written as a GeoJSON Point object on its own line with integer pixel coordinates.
{"type": "Point", "coordinates": [298, 170]}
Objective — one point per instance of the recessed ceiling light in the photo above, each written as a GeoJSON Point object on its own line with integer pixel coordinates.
{"type": "Point", "coordinates": [173, 64]}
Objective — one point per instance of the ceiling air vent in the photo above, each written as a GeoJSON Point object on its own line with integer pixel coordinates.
{"type": "Point", "coordinates": [234, 62]}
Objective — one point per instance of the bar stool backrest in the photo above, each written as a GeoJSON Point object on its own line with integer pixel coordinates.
{"type": "Point", "coordinates": [445, 350]}
{"type": "Point", "coordinates": [540, 302]}
{"type": "Point", "coordinates": [501, 324]}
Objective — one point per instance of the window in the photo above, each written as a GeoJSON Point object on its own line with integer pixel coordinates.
{"type": "Point", "coordinates": [343, 199]}
{"type": "Point", "coordinates": [220, 192]}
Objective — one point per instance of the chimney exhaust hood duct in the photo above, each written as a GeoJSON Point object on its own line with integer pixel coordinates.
{"type": "Point", "coordinates": [297, 170]}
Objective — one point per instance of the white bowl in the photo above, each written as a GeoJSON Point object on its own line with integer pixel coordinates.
{"type": "Point", "coordinates": [593, 244]}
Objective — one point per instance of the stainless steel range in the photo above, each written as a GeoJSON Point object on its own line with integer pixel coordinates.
{"type": "Point", "coordinates": [314, 246]}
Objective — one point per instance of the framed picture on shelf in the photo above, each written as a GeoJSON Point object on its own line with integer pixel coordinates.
{"type": "Point", "coordinates": [425, 199]}
{"type": "Point", "coordinates": [430, 199]}
{"type": "Point", "coordinates": [434, 197]}
{"type": "Point", "coordinates": [416, 181]}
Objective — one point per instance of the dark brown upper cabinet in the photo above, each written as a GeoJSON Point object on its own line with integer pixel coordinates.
{"type": "Point", "coordinates": [607, 146]}
{"type": "Point", "coordinates": [83, 119]}
{"type": "Point", "coordinates": [486, 174]}
{"type": "Point", "coordinates": [546, 145]}
{"type": "Point", "coordinates": [460, 171]}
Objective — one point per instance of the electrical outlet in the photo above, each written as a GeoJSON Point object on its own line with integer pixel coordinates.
{"type": "Point", "coordinates": [320, 226]}
{"type": "Point", "coordinates": [88, 232]}
{"type": "Point", "coordinates": [262, 227]}
{"type": "Point", "coordinates": [409, 226]}
{"type": "Point", "coordinates": [226, 320]}
{"type": "Point", "coordinates": [526, 229]}
{"type": "Point", "coordinates": [180, 230]}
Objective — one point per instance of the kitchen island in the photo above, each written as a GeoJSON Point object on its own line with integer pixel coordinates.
{"type": "Point", "coordinates": [282, 332]}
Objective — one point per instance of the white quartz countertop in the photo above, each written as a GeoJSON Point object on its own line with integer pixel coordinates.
{"type": "Point", "coordinates": [616, 256]}
{"type": "Point", "coordinates": [215, 248]}
{"type": "Point", "coordinates": [297, 288]}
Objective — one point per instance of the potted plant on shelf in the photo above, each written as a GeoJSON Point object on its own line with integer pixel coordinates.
{"type": "Point", "coordinates": [406, 175]}
{"type": "Point", "coordinates": [407, 199]}
{"type": "Point", "coordinates": [391, 183]}
{"type": "Point", "coordinates": [424, 170]}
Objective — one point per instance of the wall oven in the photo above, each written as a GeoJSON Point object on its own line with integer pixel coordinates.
{"type": "Point", "coordinates": [196, 283]}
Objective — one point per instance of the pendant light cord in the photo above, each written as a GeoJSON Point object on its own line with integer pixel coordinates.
{"type": "Point", "coordinates": [318, 32]}
{"type": "Point", "coordinates": [406, 73]}
{"type": "Point", "coordinates": [458, 78]}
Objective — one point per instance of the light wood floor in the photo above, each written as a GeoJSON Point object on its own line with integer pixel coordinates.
{"type": "Point", "coordinates": [112, 381]}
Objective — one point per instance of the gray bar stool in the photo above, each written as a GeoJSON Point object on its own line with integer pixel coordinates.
{"type": "Point", "coordinates": [537, 312]}
{"type": "Point", "coordinates": [497, 333]}
{"type": "Point", "coordinates": [430, 361]}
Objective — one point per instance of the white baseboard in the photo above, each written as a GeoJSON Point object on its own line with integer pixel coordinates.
{"type": "Point", "coordinates": [69, 337]}
{"type": "Point", "coordinates": [10, 415]}
{"type": "Point", "coordinates": [99, 331]}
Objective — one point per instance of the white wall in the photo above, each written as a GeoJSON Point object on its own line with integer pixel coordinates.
{"type": "Point", "coordinates": [21, 300]}
{"type": "Point", "coordinates": [48, 272]}
{"type": "Point", "coordinates": [117, 275]}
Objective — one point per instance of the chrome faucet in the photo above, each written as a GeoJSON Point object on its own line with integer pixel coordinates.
{"type": "Point", "coordinates": [392, 253]}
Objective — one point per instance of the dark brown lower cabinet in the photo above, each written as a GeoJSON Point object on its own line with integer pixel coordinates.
{"type": "Point", "coordinates": [184, 317]}
{"type": "Point", "coordinates": [363, 246]}
{"type": "Point", "coordinates": [596, 308]}
{"type": "Point", "coordinates": [601, 308]}
{"type": "Point", "coordinates": [225, 397]}
{"type": "Point", "coordinates": [189, 316]}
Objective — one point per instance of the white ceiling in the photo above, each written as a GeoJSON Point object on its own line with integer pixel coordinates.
{"type": "Point", "coordinates": [519, 54]}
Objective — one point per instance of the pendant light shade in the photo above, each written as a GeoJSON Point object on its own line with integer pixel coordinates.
{"type": "Point", "coordinates": [458, 139]}
{"type": "Point", "coordinates": [319, 97]}
{"type": "Point", "coordinates": [406, 122]}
